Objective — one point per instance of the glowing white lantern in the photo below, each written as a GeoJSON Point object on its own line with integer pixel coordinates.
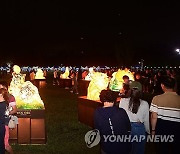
{"type": "Point", "coordinates": [90, 74]}
{"type": "Point", "coordinates": [39, 74]}
{"type": "Point", "coordinates": [66, 74]}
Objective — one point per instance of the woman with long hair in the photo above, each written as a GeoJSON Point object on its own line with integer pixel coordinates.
{"type": "Point", "coordinates": [138, 112]}
{"type": "Point", "coordinates": [3, 103]}
{"type": "Point", "coordinates": [12, 109]}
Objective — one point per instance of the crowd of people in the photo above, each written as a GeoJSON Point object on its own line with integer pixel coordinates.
{"type": "Point", "coordinates": [132, 118]}
{"type": "Point", "coordinates": [150, 79]}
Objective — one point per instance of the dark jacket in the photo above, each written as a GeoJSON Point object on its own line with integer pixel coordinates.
{"type": "Point", "coordinates": [120, 126]}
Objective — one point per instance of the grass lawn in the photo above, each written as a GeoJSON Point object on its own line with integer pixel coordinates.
{"type": "Point", "coordinates": [65, 133]}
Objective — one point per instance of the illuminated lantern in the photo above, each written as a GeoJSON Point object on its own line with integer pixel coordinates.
{"type": "Point", "coordinates": [16, 69]}
{"type": "Point", "coordinates": [98, 83]}
{"type": "Point", "coordinates": [116, 82]}
{"type": "Point", "coordinates": [90, 74]}
{"type": "Point", "coordinates": [65, 75]}
{"type": "Point", "coordinates": [17, 80]}
{"type": "Point", "coordinates": [39, 74]}
{"type": "Point", "coordinates": [25, 93]}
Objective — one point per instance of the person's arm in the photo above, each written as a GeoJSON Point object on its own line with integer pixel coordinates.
{"type": "Point", "coordinates": [146, 119]}
{"type": "Point", "coordinates": [153, 122]}
{"type": "Point", "coordinates": [14, 110]}
{"type": "Point", "coordinates": [154, 114]}
{"type": "Point", "coordinates": [12, 104]}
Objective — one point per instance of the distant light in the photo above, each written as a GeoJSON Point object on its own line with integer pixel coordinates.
{"type": "Point", "coordinates": [178, 50]}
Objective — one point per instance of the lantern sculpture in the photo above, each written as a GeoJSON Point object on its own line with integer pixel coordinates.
{"type": "Point", "coordinates": [39, 74]}
{"type": "Point", "coordinates": [17, 80]}
{"type": "Point", "coordinates": [116, 82]}
{"type": "Point", "coordinates": [65, 75]}
{"type": "Point", "coordinates": [90, 74]}
{"type": "Point", "coordinates": [98, 83]}
{"type": "Point", "coordinates": [25, 93]}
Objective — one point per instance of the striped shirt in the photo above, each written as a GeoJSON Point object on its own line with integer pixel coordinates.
{"type": "Point", "coordinates": [167, 106]}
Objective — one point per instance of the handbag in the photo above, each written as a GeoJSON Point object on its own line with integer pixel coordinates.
{"type": "Point", "coordinates": [13, 122]}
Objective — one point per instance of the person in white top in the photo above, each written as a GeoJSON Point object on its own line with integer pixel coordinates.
{"type": "Point", "coordinates": [138, 112]}
{"type": "Point", "coordinates": [141, 116]}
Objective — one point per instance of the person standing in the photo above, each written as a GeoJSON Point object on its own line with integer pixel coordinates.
{"type": "Point", "coordinates": [165, 116]}
{"type": "Point", "coordinates": [45, 73]}
{"type": "Point", "coordinates": [3, 103]}
{"type": "Point", "coordinates": [74, 83]}
{"type": "Point", "coordinates": [55, 77]}
{"type": "Point", "coordinates": [12, 110]}
{"type": "Point", "coordinates": [111, 120]}
{"type": "Point", "coordinates": [138, 112]}
{"type": "Point", "coordinates": [32, 76]}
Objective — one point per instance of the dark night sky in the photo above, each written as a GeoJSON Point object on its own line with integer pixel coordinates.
{"type": "Point", "coordinates": [52, 32]}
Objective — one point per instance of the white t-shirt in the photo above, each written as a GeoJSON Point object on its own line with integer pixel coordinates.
{"type": "Point", "coordinates": [141, 116]}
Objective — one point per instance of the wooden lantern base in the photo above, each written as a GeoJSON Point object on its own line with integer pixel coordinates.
{"type": "Point", "coordinates": [86, 110]}
{"type": "Point", "coordinates": [65, 83]}
{"type": "Point", "coordinates": [31, 128]}
{"type": "Point", "coordinates": [40, 83]}
{"type": "Point", "coordinates": [83, 87]}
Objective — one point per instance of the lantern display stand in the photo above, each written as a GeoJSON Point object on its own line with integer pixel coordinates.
{"type": "Point", "coordinates": [65, 83]}
{"type": "Point", "coordinates": [83, 86]}
{"type": "Point", "coordinates": [31, 128]}
{"type": "Point", "coordinates": [40, 83]}
{"type": "Point", "coordinates": [86, 110]}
